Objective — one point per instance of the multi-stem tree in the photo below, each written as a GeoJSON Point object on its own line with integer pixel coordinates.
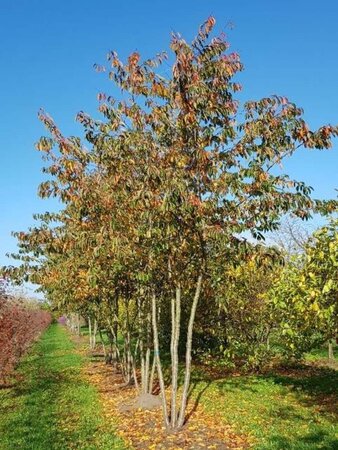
{"type": "Point", "coordinates": [210, 174]}
{"type": "Point", "coordinates": [174, 172]}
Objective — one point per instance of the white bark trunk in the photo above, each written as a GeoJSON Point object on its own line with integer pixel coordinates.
{"type": "Point", "coordinates": [181, 418]}
{"type": "Point", "coordinates": [158, 363]}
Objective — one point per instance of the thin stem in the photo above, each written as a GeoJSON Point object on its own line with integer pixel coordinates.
{"type": "Point", "coordinates": [181, 418]}
{"type": "Point", "coordinates": [158, 363]}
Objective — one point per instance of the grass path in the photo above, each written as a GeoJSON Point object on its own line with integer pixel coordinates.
{"type": "Point", "coordinates": [52, 407]}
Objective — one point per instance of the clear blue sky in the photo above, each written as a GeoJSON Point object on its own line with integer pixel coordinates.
{"type": "Point", "coordinates": [47, 51]}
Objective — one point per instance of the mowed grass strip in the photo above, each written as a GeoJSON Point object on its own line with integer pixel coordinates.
{"type": "Point", "coordinates": [52, 407]}
{"type": "Point", "coordinates": [294, 410]}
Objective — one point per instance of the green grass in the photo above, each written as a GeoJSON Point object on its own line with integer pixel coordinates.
{"type": "Point", "coordinates": [321, 354]}
{"type": "Point", "coordinates": [52, 407]}
{"type": "Point", "coordinates": [84, 331]}
{"type": "Point", "coordinates": [290, 410]}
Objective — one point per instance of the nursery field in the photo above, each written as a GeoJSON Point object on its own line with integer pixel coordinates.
{"type": "Point", "coordinates": [193, 272]}
{"type": "Point", "coordinates": [63, 398]}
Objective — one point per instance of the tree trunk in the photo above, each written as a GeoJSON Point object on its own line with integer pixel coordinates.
{"type": "Point", "coordinates": [175, 337]}
{"type": "Point", "coordinates": [148, 349]}
{"type": "Point", "coordinates": [331, 355]}
{"type": "Point", "coordinates": [181, 418]}
{"type": "Point", "coordinates": [115, 351]}
{"type": "Point", "coordinates": [133, 359]}
{"type": "Point", "coordinates": [90, 331]}
{"type": "Point", "coordinates": [94, 334]}
{"type": "Point", "coordinates": [152, 376]}
{"type": "Point", "coordinates": [158, 363]}
{"type": "Point", "coordinates": [78, 325]}
{"type": "Point", "coordinates": [103, 344]}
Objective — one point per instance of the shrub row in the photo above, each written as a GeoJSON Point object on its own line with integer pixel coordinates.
{"type": "Point", "coordinates": [21, 322]}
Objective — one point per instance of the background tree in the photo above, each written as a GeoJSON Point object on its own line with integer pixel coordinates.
{"type": "Point", "coordinates": [305, 295]}
{"type": "Point", "coordinates": [292, 236]}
